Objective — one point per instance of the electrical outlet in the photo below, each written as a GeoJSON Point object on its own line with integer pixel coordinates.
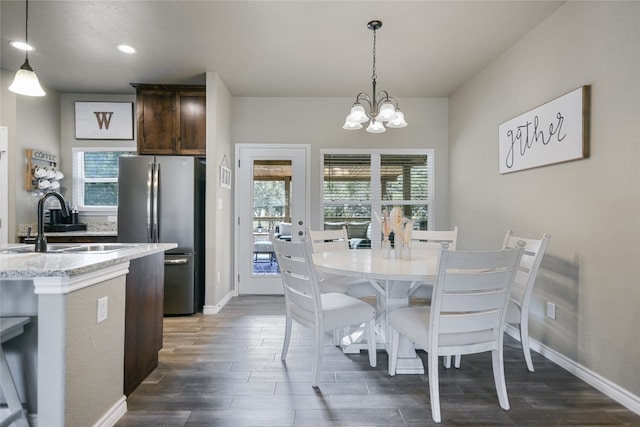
{"type": "Point", "coordinates": [103, 308]}
{"type": "Point", "coordinates": [551, 310]}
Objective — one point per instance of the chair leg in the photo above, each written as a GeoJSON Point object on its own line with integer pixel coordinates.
{"type": "Point", "coordinates": [371, 338]}
{"type": "Point", "coordinates": [287, 338]}
{"type": "Point", "coordinates": [394, 344]}
{"type": "Point", "coordinates": [336, 337]}
{"type": "Point", "coordinates": [16, 414]}
{"type": "Point", "coordinates": [434, 386]}
{"type": "Point", "coordinates": [318, 360]}
{"type": "Point", "coordinates": [498, 377]}
{"type": "Point", "coordinates": [447, 361]}
{"type": "Point", "coordinates": [524, 341]}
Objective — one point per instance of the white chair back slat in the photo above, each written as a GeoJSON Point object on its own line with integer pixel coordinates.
{"type": "Point", "coordinates": [430, 238]}
{"type": "Point", "coordinates": [480, 301]}
{"type": "Point", "coordinates": [478, 282]}
{"type": "Point", "coordinates": [470, 262]}
{"type": "Point", "coordinates": [328, 240]}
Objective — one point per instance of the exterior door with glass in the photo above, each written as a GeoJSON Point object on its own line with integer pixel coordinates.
{"type": "Point", "coordinates": [272, 198]}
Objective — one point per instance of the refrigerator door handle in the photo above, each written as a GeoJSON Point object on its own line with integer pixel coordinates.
{"type": "Point", "coordinates": [176, 261]}
{"type": "Point", "coordinates": [149, 201]}
{"type": "Point", "coordinates": [156, 183]}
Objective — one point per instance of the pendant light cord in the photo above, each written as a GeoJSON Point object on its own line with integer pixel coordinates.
{"type": "Point", "coordinates": [26, 28]}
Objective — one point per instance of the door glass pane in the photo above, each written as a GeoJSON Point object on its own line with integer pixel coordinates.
{"type": "Point", "coordinates": [271, 208]}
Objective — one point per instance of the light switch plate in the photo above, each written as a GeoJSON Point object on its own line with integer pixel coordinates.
{"type": "Point", "coordinates": [551, 310]}
{"type": "Point", "coordinates": [103, 309]}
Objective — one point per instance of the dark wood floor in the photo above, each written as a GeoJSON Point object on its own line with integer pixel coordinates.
{"type": "Point", "coordinates": [225, 370]}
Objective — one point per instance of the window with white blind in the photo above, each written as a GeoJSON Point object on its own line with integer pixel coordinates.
{"type": "Point", "coordinates": [95, 178]}
{"type": "Point", "coordinates": [357, 185]}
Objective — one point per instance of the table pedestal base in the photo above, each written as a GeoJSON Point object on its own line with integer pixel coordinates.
{"type": "Point", "coordinates": [390, 298]}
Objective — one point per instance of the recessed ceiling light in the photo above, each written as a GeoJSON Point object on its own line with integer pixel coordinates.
{"type": "Point", "coordinates": [21, 45]}
{"type": "Point", "coordinates": [127, 49]}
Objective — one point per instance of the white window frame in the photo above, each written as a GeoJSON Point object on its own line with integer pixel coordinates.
{"type": "Point", "coordinates": [376, 191]}
{"type": "Point", "coordinates": [79, 180]}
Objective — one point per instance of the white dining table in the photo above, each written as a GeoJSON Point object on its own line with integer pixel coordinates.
{"type": "Point", "coordinates": [394, 279]}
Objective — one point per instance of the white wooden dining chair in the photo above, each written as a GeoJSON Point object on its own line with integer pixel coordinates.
{"type": "Point", "coordinates": [337, 240]}
{"type": "Point", "coordinates": [431, 238]}
{"type": "Point", "coordinates": [522, 290]}
{"type": "Point", "coordinates": [322, 312]}
{"type": "Point", "coordinates": [518, 308]}
{"type": "Point", "coordinates": [466, 315]}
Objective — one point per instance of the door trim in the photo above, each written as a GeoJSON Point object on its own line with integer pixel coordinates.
{"type": "Point", "coordinates": [307, 200]}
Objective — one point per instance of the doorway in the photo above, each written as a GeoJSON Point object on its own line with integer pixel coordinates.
{"type": "Point", "coordinates": [271, 198]}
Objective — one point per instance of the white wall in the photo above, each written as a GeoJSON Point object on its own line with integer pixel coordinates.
{"type": "Point", "coordinates": [219, 226]}
{"type": "Point", "coordinates": [590, 207]}
{"type": "Point", "coordinates": [318, 122]}
{"type": "Point", "coordinates": [33, 122]}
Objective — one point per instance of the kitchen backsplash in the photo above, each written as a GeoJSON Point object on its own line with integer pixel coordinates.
{"type": "Point", "coordinates": [96, 226]}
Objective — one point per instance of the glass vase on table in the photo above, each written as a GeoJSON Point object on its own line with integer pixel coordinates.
{"type": "Point", "coordinates": [406, 251]}
{"type": "Point", "coordinates": [386, 247]}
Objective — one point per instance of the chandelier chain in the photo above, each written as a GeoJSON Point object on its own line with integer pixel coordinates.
{"type": "Point", "coordinates": [373, 73]}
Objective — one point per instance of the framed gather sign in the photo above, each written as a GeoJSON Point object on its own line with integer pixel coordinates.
{"type": "Point", "coordinates": [555, 132]}
{"type": "Point", "coordinates": [104, 120]}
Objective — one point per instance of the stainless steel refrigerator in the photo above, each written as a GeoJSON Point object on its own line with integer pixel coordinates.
{"type": "Point", "coordinates": [161, 199]}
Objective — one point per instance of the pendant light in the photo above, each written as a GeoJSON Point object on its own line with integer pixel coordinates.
{"type": "Point", "coordinates": [26, 82]}
{"type": "Point", "coordinates": [382, 107]}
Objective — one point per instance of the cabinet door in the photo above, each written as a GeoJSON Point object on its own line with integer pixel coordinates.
{"type": "Point", "coordinates": [143, 319]}
{"type": "Point", "coordinates": [156, 122]}
{"type": "Point", "coordinates": [192, 123]}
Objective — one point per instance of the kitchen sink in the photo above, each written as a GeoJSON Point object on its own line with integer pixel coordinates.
{"type": "Point", "coordinates": [72, 248]}
{"type": "Point", "coordinates": [98, 247]}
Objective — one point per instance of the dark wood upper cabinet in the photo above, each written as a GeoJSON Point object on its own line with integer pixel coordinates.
{"type": "Point", "coordinates": [171, 119]}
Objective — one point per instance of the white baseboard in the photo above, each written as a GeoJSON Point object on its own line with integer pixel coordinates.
{"type": "Point", "coordinates": [215, 309]}
{"type": "Point", "coordinates": [111, 417]}
{"type": "Point", "coordinates": [612, 390]}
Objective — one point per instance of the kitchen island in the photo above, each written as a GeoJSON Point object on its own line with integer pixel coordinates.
{"type": "Point", "coordinates": [77, 303]}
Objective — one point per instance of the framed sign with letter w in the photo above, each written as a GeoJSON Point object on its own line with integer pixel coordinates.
{"type": "Point", "coordinates": [104, 120]}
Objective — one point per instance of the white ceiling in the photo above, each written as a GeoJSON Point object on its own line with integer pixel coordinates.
{"type": "Point", "coordinates": [266, 48]}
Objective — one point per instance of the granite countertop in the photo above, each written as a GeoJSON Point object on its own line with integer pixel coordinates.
{"type": "Point", "coordinates": [55, 264]}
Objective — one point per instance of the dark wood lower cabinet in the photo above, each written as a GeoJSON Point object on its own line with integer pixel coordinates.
{"type": "Point", "coordinates": [143, 319]}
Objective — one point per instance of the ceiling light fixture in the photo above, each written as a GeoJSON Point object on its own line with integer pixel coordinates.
{"type": "Point", "coordinates": [21, 45]}
{"type": "Point", "coordinates": [26, 82]}
{"type": "Point", "coordinates": [125, 48]}
{"type": "Point", "coordinates": [382, 107]}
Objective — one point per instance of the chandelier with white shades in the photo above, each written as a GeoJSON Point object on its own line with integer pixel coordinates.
{"type": "Point", "coordinates": [382, 107]}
